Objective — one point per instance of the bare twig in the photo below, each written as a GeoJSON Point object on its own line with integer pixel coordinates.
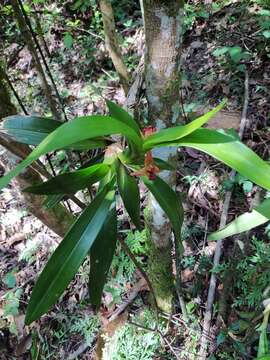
{"type": "Point", "coordinates": [218, 251]}
{"type": "Point", "coordinates": [131, 297]}
{"type": "Point", "coordinates": [81, 349]}
{"type": "Point", "coordinates": [179, 287]}
{"type": "Point", "coordinates": [32, 32]}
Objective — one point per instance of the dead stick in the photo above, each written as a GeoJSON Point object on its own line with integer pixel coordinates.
{"type": "Point", "coordinates": [218, 251]}
{"type": "Point", "coordinates": [143, 273]}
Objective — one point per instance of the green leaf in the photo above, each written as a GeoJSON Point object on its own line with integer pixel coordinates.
{"type": "Point", "coordinates": [101, 255]}
{"type": "Point", "coordinates": [178, 132]}
{"type": "Point", "coordinates": [168, 201]}
{"type": "Point", "coordinates": [82, 128]}
{"type": "Point", "coordinates": [247, 186]}
{"type": "Point", "coordinates": [229, 151]}
{"type": "Point", "coordinates": [130, 194]}
{"type": "Point", "coordinates": [9, 280]}
{"type": "Point", "coordinates": [264, 12]}
{"type": "Point", "coordinates": [245, 222]}
{"type": "Point", "coordinates": [29, 130]}
{"type": "Point", "coordinates": [236, 53]}
{"type": "Point", "coordinates": [52, 200]}
{"type": "Point", "coordinates": [68, 41]}
{"type": "Point", "coordinates": [68, 256]}
{"type": "Point", "coordinates": [221, 338]}
{"type": "Point", "coordinates": [220, 51]}
{"type": "Point", "coordinates": [163, 165]}
{"type": "Point", "coordinates": [263, 348]}
{"type": "Point", "coordinates": [266, 34]}
{"type": "Point", "coordinates": [32, 130]}
{"type": "Point", "coordinates": [70, 182]}
{"type": "Point", "coordinates": [120, 114]}
{"type": "Point", "coordinates": [87, 145]}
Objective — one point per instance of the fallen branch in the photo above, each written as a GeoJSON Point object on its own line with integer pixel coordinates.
{"type": "Point", "coordinates": [143, 273]}
{"type": "Point", "coordinates": [218, 252]}
{"type": "Point", "coordinates": [131, 297]}
{"type": "Point", "coordinates": [81, 349]}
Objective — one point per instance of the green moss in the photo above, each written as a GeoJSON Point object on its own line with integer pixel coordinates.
{"type": "Point", "coordinates": [159, 268]}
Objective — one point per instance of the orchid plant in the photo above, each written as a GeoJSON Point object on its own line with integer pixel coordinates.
{"type": "Point", "coordinates": [118, 171]}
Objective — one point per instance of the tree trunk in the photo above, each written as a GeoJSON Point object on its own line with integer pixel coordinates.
{"type": "Point", "coordinates": [112, 43]}
{"type": "Point", "coordinates": [37, 64]}
{"type": "Point", "coordinates": [163, 22]}
{"type": "Point", "coordinates": [57, 219]}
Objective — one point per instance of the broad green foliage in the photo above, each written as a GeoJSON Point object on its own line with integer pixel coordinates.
{"type": "Point", "coordinates": [95, 230]}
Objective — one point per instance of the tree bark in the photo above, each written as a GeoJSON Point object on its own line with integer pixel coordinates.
{"type": "Point", "coordinates": [112, 43]}
{"type": "Point", "coordinates": [57, 219]}
{"type": "Point", "coordinates": [163, 35]}
{"type": "Point", "coordinates": [37, 64]}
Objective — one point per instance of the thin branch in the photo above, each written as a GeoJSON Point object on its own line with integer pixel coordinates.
{"type": "Point", "coordinates": [28, 22]}
{"type": "Point", "coordinates": [179, 286]}
{"type": "Point", "coordinates": [131, 297]}
{"type": "Point", "coordinates": [218, 251]}
{"type": "Point", "coordinates": [16, 95]}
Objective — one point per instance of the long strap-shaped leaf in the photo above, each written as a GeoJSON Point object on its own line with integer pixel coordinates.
{"type": "Point", "coordinates": [32, 130]}
{"type": "Point", "coordinates": [245, 222]}
{"type": "Point", "coordinates": [130, 193]}
{"type": "Point", "coordinates": [168, 201]}
{"type": "Point", "coordinates": [179, 132]}
{"type": "Point", "coordinates": [82, 128]}
{"type": "Point", "coordinates": [231, 152]}
{"type": "Point", "coordinates": [68, 256]}
{"type": "Point", "coordinates": [70, 182]}
{"type": "Point", "coordinates": [120, 114]}
{"type": "Point", "coordinates": [29, 130]}
{"type": "Point", "coordinates": [101, 255]}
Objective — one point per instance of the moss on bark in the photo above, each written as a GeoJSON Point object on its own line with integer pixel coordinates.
{"type": "Point", "coordinates": [159, 267]}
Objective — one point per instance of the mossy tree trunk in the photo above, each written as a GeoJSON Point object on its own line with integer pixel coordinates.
{"type": "Point", "coordinates": [163, 22]}
{"type": "Point", "coordinates": [57, 219]}
{"type": "Point", "coordinates": [112, 43]}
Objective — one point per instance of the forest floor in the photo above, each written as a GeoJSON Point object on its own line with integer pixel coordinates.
{"type": "Point", "coordinates": [219, 50]}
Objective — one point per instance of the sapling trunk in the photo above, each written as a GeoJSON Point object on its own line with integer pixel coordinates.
{"type": "Point", "coordinates": [112, 43]}
{"type": "Point", "coordinates": [163, 22]}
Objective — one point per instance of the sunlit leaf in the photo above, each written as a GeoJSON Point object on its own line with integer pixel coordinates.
{"type": "Point", "coordinates": [231, 152]}
{"type": "Point", "coordinates": [119, 113]}
{"type": "Point", "coordinates": [178, 132]}
{"type": "Point", "coordinates": [245, 222]}
{"type": "Point", "coordinates": [263, 349]}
